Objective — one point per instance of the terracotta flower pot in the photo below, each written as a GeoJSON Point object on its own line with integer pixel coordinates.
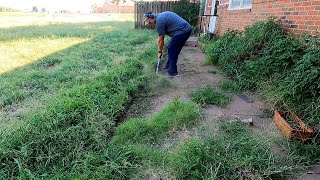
{"type": "Point", "coordinates": [296, 129]}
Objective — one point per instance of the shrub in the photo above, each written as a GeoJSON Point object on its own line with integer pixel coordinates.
{"type": "Point", "coordinates": [217, 49]}
{"type": "Point", "coordinates": [207, 38]}
{"type": "Point", "coordinates": [188, 10]}
{"type": "Point", "coordinates": [284, 68]}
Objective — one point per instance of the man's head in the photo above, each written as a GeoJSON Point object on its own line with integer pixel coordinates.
{"type": "Point", "coordinates": [150, 18]}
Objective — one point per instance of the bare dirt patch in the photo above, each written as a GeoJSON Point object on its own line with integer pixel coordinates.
{"type": "Point", "coordinates": [193, 74]}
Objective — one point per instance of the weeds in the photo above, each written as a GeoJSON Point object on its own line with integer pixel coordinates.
{"type": "Point", "coordinates": [151, 131]}
{"type": "Point", "coordinates": [207, 95]}
{"type": "Point", "coordinates": [284, 68]}
{"type": "Point", "coordinates": [73, 124]}
{"type": "Point", "coordinates": [207, 38]}
{"type": "Point", "coordinates": [230, 86]}
{"type": "Point", "coordinates": [232, 154]}
{"type": "Point", "coordinates": [81, 100]}
{"type": "Point", "coordinates": [141, 137]}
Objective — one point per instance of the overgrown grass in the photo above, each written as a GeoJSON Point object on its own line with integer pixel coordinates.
{"type": "Point", "coordinates": [73, 124]}
{"type": "Point", "coordinates": [206, 95]}
{"type": "Point", "coordinates": [80, 90]}
{"type": "Point", "coordinates": [151, 131]}
{"type": "Point", "coordinates": [76, 130]}
{"type": "Point", "coordinates": [234, 153]}
{"type": "Point", "coordinates": [283, 68]}
{"type": "Point", "coordinates": [142, 137]}
{"type": "Point", "coordinates": [207, 38]}
{"type": "Point", "coordinates": [59, 56]}
{"type": "Point", "coordinates": [230, 86]}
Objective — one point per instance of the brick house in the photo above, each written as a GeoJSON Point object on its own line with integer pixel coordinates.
{"type": "Point", "coordinates": [109, 7]}
{"type": "Point", "coordinates": [297, 16]}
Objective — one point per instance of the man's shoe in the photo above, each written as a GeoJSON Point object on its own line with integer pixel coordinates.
{"type": "Point", "coordinates": [173, 75]}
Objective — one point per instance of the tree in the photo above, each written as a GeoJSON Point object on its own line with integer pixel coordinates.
{"type": "Point", "coordinates": [188, 10]}
{"type": "Point", "coordinates": [34, 9]}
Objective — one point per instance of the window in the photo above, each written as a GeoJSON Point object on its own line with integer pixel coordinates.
{"type": "Point", "coordinates": [208, 5]}
{"type": "Point", "coordinates": [240, 4]}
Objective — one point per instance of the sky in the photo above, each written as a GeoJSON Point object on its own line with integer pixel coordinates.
{"type": "Point", "coordinates": [51, 5]}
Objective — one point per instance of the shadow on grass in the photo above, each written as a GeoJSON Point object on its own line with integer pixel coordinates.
{"type": "Point", "coordinates": [74, 65]}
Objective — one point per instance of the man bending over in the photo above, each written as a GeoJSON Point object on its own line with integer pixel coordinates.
{"type": "Point", "coordinates": [169, 23]}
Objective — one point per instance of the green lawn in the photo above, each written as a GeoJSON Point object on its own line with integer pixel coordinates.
{"type": "Point", "coordinates": [38, 60]}
{"type": "Point", "coordinates": [64, 82]}
{"type": "Point", "coordinates": [67, 80]}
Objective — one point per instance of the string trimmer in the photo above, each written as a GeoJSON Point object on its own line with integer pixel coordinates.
{"type": "Point", "coordinates": [158, 65]}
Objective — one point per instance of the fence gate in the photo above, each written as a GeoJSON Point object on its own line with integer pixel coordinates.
{"type": "Point", "coordinates": [154, 6]}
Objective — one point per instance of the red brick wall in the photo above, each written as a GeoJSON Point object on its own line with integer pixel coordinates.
{"type": "Point", "coordinates": [297, 16]}
{"type": "Point", "coordinates": [99, 10]}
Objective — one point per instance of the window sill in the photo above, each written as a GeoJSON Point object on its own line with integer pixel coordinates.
{"type": "Point", "coordinates": [235, 9]}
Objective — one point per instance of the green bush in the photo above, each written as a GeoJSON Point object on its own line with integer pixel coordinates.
{"type": "Point", "coordinates": [188, 10]}
{"type": "Point", "coordinates": [207, 38]}
{"type": "Point", "coordinates": [284, 68]}
{"type": "Point", "coordinates": [216, 50]}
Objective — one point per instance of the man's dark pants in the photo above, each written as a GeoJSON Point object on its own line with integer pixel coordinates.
{"type": "Point", "coordinates": [175, 46]}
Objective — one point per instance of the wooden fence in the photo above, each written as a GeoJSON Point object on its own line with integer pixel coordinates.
{"type": "Point", "coordinates": [154, 6]}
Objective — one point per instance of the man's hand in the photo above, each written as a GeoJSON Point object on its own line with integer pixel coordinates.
{"type": "Point", "coordinates": [160, 45]}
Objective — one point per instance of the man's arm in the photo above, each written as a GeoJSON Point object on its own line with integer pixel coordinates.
{"type": "Point", "coordinates": [160, 45]}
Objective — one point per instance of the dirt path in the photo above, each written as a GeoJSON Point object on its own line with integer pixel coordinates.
{"type": "Point", "coordinates": [194, 75]}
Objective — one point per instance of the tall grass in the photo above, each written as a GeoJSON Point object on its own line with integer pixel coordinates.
{"type": "Point", "coordinates": [81, 86]}
{"type": "Point", "coordinates": [233, 153]}
{"type": "Point", "coordinates": [283, 68]}
{"type": "Point", "coordinates": [73, 124]}
{"type": "Point", "coordinates": [75, 128]}
{"type": "Point", "coordinates": [151, 131]}
{"type": "Point", "coordinates": [46, 64]}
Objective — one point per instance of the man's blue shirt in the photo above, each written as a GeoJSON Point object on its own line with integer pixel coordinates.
{"type": "Point", "coordinates": [169, 23]}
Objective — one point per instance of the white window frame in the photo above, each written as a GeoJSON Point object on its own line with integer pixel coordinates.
{"type": "Point", "coordinates": [208, 5]}
{"type": "Point", "coordinates": [242, 6]}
